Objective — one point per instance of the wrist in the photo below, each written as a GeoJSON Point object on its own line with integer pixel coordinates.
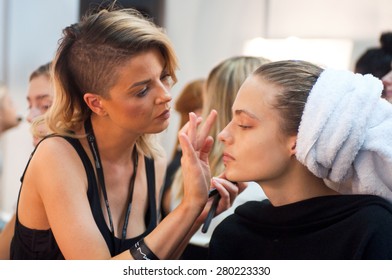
{"type": "Point", "coordinates": [140, 251]}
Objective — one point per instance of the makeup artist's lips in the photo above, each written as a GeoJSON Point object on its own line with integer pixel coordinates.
{"type": "Point", "coordinates": [226, 158]}
{"type": "Point", "coordinates": [165, 115]}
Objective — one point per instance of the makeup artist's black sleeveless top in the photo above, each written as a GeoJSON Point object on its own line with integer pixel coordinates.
{"type": "Point", "coordinates": [41, 245]}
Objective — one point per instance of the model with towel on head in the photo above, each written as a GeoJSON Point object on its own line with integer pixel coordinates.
{"type": "Point", "coordinates": [317, 142]}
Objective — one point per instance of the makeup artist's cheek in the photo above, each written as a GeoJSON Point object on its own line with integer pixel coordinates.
{"type": "Point", "coordinates": [137, 111]}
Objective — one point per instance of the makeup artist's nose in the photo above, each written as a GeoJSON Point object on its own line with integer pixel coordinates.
{"type": "Point", "coordinates": [164, 96]}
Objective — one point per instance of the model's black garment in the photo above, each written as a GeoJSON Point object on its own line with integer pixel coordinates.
{"type": "Point", "coordinates": [329, 227]}
{"type": "Point", "coordinates": [40, 244]}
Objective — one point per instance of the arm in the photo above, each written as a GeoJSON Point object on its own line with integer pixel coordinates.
{"type": "Point", "coordinates": [57, 199]}
{"type": "Point", "coordinates": [5, 238]}
{"type": "Point", "coordinates": [228, 191]}
{"type": "Point", "coordinates": [196, 147]}
{"type": "Point", "coordinates": [60, 202]}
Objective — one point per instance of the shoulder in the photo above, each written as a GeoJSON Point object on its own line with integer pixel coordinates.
{"type": "Point", "coordinates": [55, 159]}
{"type": "Point", "coordinates": [52, 149]}
{"type": "Point", "coordinates": [376, 209]}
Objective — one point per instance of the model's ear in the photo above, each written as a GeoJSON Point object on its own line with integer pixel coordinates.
{"type": "Point", "coordinates": [293, 145]}
{"type": "Point", "coordinates": [94, 102]}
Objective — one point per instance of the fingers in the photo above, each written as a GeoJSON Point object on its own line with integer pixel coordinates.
{"type": "Point", "coordinates": [227, 190]}
{"type": "Point", "coordinates": [186, 146]}
{"type": "Point", "coordinates": [206, 128]}
{"type": "Point", "coordinates": [206, 148]}
{"type": "Point", "coordinates": [241, 185]}
{"type": "Point", "coordinates": [198, 137]}
{"type": "Point", "coordinates": [192, 129]}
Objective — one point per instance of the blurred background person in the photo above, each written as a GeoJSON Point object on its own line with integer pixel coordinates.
{"type": "Point", "coordinates": [377, 60]}
{"type": "Point", "coordinates": [9, 118]}
{"type": "Point", "coordinates": [39, 98]}
{"type": "Point", "coordinates": [387, 81]}
{"type": "Point", "coordinates": [39, 94]}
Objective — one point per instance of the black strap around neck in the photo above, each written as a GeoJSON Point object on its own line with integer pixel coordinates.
{"type": "Point", "coordinates": [101, 180]}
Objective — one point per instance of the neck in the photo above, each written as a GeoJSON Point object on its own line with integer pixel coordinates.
{"type": "Point", "coordinates": [297, 185]}
{"type": "Point", "coordinates": [114, 143]}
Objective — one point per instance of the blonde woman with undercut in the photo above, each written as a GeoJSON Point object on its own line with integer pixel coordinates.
{"type": "Point", "coordinates": [99, 195]}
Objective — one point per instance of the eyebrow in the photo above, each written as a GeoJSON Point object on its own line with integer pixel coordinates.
{"type": "Point", "coordinates": [40, 97]}
{"type": "Point", "coordinates": [245, 112]}
{"type": "Point", "coordinates": [145, 82]}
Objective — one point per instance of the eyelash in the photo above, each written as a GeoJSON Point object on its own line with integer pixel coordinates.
{"type": "Point", "coordinates": [165, 78]}
{"type": "Point", "coordinates": [143, 92]}
{"type": "Point", "coordinates": [244, 126]}
{"type": "Point", "coordinates": [43, 107]}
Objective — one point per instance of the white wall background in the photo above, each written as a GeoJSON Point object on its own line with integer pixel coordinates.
{"type": "Point", "coordinates": [204, 32]}
{"type": "Point", "coordinates": [30, 31]}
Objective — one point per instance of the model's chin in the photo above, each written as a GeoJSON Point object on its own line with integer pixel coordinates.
{"type": "Point", "coordinates": [230, 175]}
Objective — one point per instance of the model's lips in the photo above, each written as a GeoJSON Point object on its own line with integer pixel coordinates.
{"type": "Point", "coordinates": [226, 158]}
{"type": "Point", "coordinates": [165, 115]}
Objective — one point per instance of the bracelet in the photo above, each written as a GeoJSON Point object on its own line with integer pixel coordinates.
{"type": "Point", "coordinates": [140, 251]}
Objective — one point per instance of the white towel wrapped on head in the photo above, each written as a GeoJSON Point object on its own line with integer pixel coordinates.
{"type": "Point", "coordinates": [345, 135]}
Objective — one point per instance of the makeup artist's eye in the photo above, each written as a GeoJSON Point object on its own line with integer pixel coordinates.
{"type": "Point", "coordinates": [143, 92]}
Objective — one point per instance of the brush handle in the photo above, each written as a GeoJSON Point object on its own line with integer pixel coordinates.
{"type": "Point", "coordinates": [211, 214]}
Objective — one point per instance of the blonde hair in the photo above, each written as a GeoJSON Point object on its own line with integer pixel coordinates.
{"type": "Point", "coordinates": [43, 70]}
{"type": "Point", "coordinates": [87, 60]}
{"type": "Point", "coordinates": [223, 83]}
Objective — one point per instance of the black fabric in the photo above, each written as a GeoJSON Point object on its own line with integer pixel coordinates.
{"type": "Point", "coordinates": [41, 244]}
{"type": "Point", "coordinates": [194, 252]}
{"type": "Point", "coordinates": [321, 228]}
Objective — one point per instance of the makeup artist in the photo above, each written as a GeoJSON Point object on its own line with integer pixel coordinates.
{"type": "Point", "coordinates": [99, 196]}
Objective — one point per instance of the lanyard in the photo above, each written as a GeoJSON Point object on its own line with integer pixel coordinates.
{"type": "Point", "coordinates": [98, 167]}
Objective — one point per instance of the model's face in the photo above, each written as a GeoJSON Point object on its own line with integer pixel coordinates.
{"type": "Point", "coordinates": [39, 97]}
{"type": "Point", "coordinates": [139, 101]}
{"type": "Point", "coordinates": [387, 81]}
{"type": "Point", "coordinates": [255, 149]}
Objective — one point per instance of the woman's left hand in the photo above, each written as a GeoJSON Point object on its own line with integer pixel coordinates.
{"type": "Point", "coordinates": [227, 190]}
